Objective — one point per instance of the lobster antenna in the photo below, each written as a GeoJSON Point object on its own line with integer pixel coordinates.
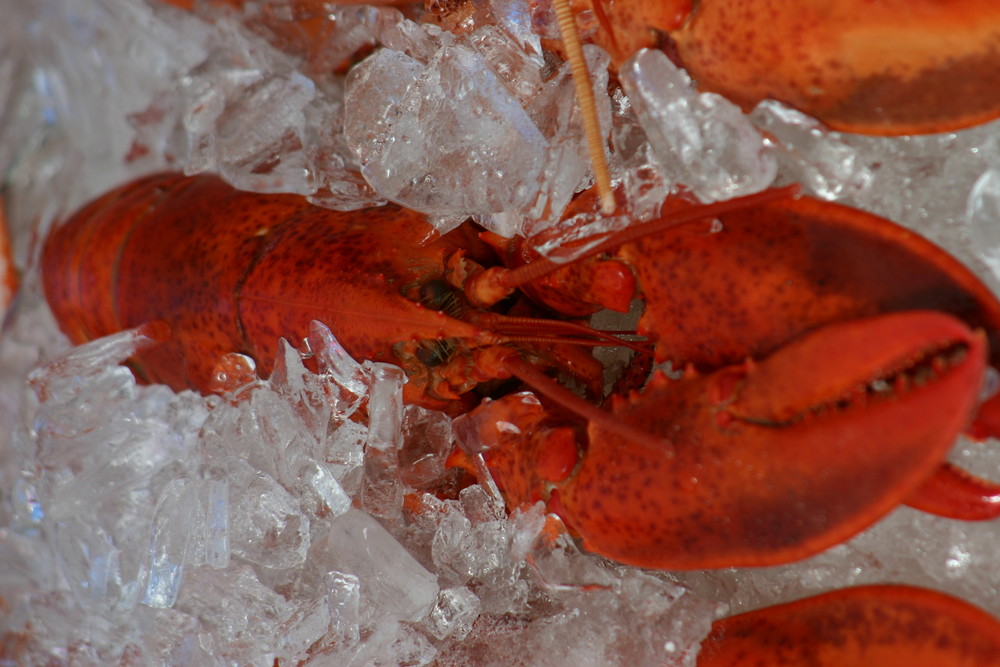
{"type": "Point", "coordinates": [567, 332]}
{"type": "Point", "coordinates": [588, 107]}
{"type": "Point", "coordinates": [532, 329]}
{"type": "Point", "coordinates": [527, 273]}
{"type": "Point", "coordinates": [570, 401]}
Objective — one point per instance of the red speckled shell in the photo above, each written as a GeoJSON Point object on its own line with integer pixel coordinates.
{"type": "Point", "coordinates": [232, 271]}
{"type": "Point", "coordinates": [867, 625]}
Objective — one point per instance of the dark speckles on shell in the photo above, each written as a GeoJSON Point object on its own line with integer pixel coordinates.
{"type": "Point", "coordinates": [773, 272]}
{"type": "Point", "coordinates": [885, 67]}
{"type": "Point", "coordinates": [866, 625]}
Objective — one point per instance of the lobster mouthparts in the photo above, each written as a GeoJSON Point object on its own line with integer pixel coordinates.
{"type": "Point", "coordinates": [769, 462]}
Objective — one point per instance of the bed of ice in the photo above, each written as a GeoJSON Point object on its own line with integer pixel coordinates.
{"type": "Point", "coordinates": [139, 526]}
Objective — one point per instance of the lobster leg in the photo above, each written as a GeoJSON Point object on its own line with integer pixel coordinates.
{"type": "Point", "coordinates": [955, 493]}
{"type": "Point", "coordinates": [866, 625]}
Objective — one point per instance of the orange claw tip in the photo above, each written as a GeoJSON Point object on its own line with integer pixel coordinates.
{"type": "Point", "coordinates": [957, 494]}
{"type": "Point", "coordinates": [866, 625]}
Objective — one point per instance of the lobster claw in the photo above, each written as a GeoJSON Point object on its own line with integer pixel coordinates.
{"type": "Point", "coordinates": [865, 625]}
{"type": "Point", "coordinates": [765, 462]}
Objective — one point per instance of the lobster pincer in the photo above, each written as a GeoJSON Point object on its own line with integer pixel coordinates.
{"type": "Point", "coordinates": [758, 463]}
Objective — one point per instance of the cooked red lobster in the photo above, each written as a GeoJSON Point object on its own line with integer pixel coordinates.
{"type": "Point", "coordinates": [857, 331]}
{"type": "Point", "coordinates": [817, 331]}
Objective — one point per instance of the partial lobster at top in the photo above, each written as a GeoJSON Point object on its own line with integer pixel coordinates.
{"type": "Point", "coordinates": [816, 323]}
{"type": "Point", "coordinates": [885, 67]}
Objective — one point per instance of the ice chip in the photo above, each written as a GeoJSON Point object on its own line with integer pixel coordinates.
{"type": "Point", "coordinates": [328, 489]}
{"type": "Point", "coordinates": [383, 489]}
{"type": "Point", "coordinates": [343, 600]}
{"type": "Point", "coordinates": [391, 580]}
{"type": "Point", "coordinates": [704, 141]}
{"type": "Point", "coordinates": [241, 618]}
{"type": "Point", "coordinates": [514, 16]}
{"type": "Point", "coordinates": [527, 524]}
{"type": "Point", "coordinates": [345, 453]}
{"type": "Point", "coordinates": [266, 525]}
{"type": "Point", "coordinates": [418, 40]}
{"type": "Point", "coordinates": [334, 361]}
{"type": "Point", "coordinates": [385, 406]}
{"type": "Point", "coordinates": [480, 505]}
{"type": "Point", "coordinates": [454, 612]}
{"type": "Point", "coordinates": [62, 378]}
{"type": "Point", "coordinates": [426, 445]}
{"type": "Point", "coordinates": [173, 524]}
{"type": "Point", "coordinates": [643, 177]}
{"type": "Point", "coordinates": [306, 624]}
{"type": "Point", "coordinates": [264, 136]}
{"type": "Point", "coordinates": [451, 138]}
{"type": "Point", "coordinates": [826, 165]}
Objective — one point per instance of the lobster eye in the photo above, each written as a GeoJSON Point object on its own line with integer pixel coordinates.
{"type": "Point", "coordinates": [434, 353]}
{"type": "Point", "coordinates": [439, 295]}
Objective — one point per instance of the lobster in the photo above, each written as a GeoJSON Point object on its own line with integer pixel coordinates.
{"type": "Point", "coordinates": [234, 272]}
{"type": "Point", "coordinates": [886, 67]}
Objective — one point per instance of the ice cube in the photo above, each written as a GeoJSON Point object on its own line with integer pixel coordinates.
{"type": "Point", "coordinates": [704, 141]}
{"type": "Point", "coordinates": [392, 582]}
